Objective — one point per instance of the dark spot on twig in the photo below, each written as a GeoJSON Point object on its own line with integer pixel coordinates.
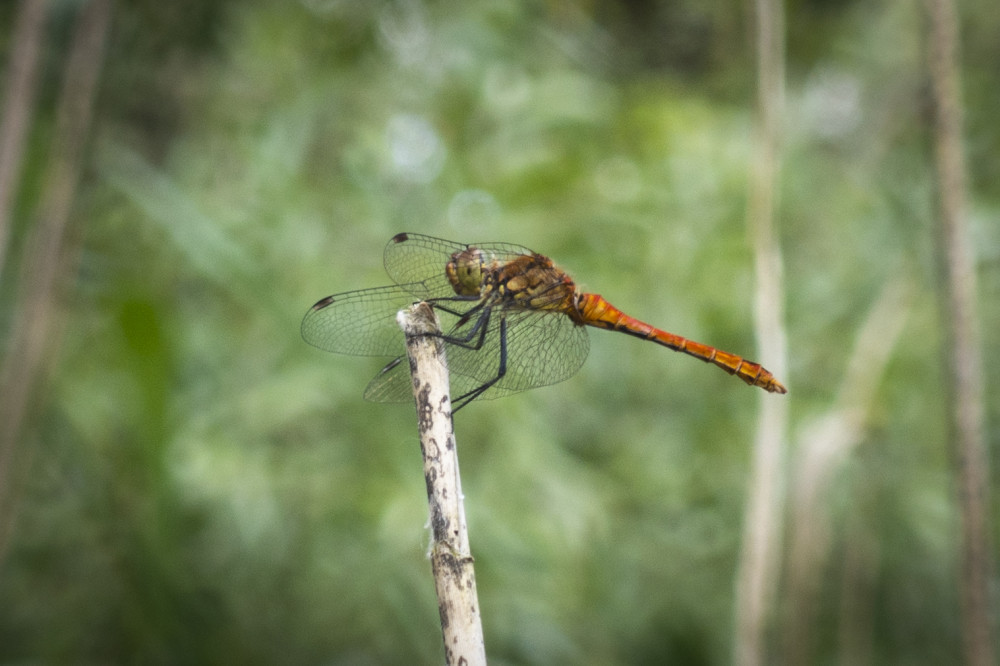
{"type": "Point", "coordinates": [439, 524]}
{"type": "Point", "coordinates": [425, 413]}
{"type": "Point", "coordinates": [455, 563]}
{"type": "Point", "coordinates": [433, 452]}
{"type": "Point", "coordinates": [430, 478]}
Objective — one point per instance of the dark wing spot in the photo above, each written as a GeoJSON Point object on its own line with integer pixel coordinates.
{"type": "Point", "coordinates": [322, 303]}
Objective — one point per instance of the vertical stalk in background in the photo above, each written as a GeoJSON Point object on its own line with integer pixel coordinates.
{"type": "Point", "coordinates": [451, 557]}
{"type": "Point", "coordinates": [15, 114]}
{"type": "Point", "coordinates": [760, 554]}
{"type": "Point", "coordinates": [31, 334]}
{"type": "Point", "coordinates": [964, 346]}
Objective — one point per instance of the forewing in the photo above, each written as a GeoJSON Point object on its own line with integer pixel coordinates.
{"type": "Point", "coordinates": [361, 323]}
{"type": "Point", "coordinates": [418, 262]}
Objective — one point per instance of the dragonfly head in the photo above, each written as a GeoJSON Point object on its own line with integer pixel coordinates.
{"type": "Point", "coordinates": [465, 272]}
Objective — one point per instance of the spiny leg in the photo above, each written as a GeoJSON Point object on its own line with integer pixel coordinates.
{"type": "Point", "coordinates": [466, 398]}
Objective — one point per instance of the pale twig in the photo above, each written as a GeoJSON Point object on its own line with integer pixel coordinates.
{"type": "Point", "coordinates": [451, 558]}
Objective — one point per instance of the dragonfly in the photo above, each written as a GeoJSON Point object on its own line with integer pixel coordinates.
{"type": "Point", "coordinates": [511, 320]}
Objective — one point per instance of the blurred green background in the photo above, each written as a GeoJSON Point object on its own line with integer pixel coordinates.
{"type": "Point", "coordinates": [203, 487]}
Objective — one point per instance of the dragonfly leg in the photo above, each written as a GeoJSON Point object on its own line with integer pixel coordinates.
{"type": "Point", "coordinates": [437, 303]}
{"type": "Point", "coordinates": [479, 329]}
{"type": "Point", "coordinates": [466, 398]}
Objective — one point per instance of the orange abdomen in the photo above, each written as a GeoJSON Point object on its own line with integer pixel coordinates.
{"type": "Point", "coordinates": [594, 310]}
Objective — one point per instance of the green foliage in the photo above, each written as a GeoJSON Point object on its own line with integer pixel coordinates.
{"type": "Point", "coordinates": [206, 488]}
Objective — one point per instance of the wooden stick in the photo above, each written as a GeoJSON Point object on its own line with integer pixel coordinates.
{"type": "Point", "coordinates": [451, 558]}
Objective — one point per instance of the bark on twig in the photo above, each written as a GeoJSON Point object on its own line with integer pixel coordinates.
{"type": "Point", "coordinates": [451, 558]}
{"type": "Point", "coordinates": [964, 346]}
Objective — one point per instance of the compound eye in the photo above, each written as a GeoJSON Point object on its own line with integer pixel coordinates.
{"type": "Point", "coordinates": [465, 272]}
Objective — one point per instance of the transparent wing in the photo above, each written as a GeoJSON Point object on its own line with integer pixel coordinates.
{"type": "Point", "coordinates": [362, 322]}
{"type": "Point", "coordinates": [543, 348]}
{"type": "Point", "coordinates": [419, 261]}
{"type": "Point", "coordinates": [392, 383]}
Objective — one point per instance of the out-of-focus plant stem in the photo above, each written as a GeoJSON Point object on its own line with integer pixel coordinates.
{"type": "Point", "coordinates": [33, 326]}
{"type": "Point", "coordinates": [760, 555]}
{"type": "Point", "coordinates": [18, 98]}
{"type": "Point", "coordinates": [963, 339]}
